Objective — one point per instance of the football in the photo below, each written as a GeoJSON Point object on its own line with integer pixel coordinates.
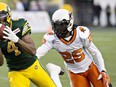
{"type": "Point", "coordinates": [2, 26]}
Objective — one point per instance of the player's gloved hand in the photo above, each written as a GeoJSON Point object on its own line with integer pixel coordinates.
{"type": "Point", "coordinates": [104, 76]}
{"type": "Point", "coordinates": [10, 35]}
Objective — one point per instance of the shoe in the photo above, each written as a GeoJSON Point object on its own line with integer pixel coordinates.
{"type": "Point", "coordinates": [61, 71]}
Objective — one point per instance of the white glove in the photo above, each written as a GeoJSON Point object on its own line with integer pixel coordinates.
{"type": "Point", "coordinates": [10, 35]}
{"type": "Point", "coordinates": [106, 80]}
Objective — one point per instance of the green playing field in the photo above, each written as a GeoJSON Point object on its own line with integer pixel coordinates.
{"type": "Point", "coordinates": [104, 39]}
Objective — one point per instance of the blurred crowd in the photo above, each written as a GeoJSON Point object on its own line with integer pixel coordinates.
{"type": "Point", "coordinates": [86, 12]}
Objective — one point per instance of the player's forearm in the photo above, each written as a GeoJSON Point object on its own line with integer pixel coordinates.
{"type": "Point", "coordinates": [100, 61]}
{"type": "Point", "coordinates": [41, 51]}
{"type": "Point", "coordinates": [98, 57]}
{"type": "Point", "coordinates": [1, 58]}
{"type": "Point", "coordinates": [27, 47]}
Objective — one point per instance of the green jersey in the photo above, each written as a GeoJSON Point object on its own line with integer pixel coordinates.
{"type": "Point", "coordinates": [17, 58]}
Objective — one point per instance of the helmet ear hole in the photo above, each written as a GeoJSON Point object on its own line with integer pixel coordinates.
{"type": "Point", "coordinates": [70, 16]}
{"type": "Point", "coordinates": [71, 22]}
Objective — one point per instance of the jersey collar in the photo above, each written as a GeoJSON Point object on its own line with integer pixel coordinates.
{"type": "Point", "coordinates": [71, 39]}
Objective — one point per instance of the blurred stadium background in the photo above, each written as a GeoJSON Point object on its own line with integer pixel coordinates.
{"type": "Point", "coordinates": [98, 15]}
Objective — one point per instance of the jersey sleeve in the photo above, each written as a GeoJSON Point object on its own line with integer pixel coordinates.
{"type": "Point", "coordinates": [26, 29]}
{"type": "Point", "coordinates": [46, 46]}
{"type": "Point", "coordinates": [98, 59]}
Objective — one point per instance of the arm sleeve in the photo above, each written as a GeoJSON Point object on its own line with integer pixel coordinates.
{"type": "Point", "coordinates": [43, 49]}
{"type": "Point", "coordinates": [97, 57]}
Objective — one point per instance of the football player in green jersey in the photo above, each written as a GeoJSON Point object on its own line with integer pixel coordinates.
{"type": "Point", "coordinates": [19, 50]}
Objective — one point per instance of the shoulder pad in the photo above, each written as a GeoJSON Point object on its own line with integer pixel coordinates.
{"type": "Point", "coordinates": [49, 36]}
{"type": "Point", "coordinates": [20, 19]}
{"type": "Point", "coordinates": [83, 32]}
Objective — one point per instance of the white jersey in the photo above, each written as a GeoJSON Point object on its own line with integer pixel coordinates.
{"type": "Point", "coordinates": [75, 50]}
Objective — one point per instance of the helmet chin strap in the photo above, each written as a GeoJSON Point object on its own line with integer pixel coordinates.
{"type": "Point", "coordinates": [68, 34]}
{"type": "Point", "coordinates": [70, 27]}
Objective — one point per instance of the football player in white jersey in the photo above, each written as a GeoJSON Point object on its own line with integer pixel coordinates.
{"type": "Point", "coordinates": [83, 60]}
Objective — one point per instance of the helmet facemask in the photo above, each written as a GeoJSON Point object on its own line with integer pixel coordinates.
{"type": "Point", "coordinates": [5, 15]}
{"type": "Point", "coordinates": [60, 28]}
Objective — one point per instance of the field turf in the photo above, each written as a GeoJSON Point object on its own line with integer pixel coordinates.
{"type": "Point", "coordinates": [103, 38]}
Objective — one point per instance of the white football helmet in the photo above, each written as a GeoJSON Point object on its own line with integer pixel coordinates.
{"type": "Point", "coordinates": [62, 22]}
